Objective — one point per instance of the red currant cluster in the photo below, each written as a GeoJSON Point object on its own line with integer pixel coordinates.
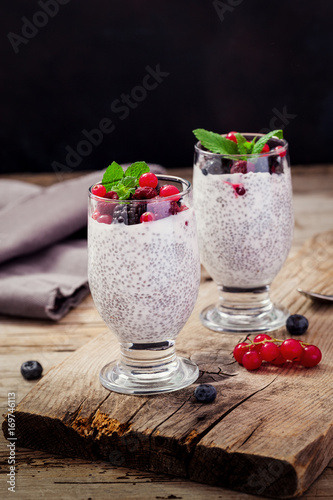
{"type": "Point", "coordinates": [251, 354]}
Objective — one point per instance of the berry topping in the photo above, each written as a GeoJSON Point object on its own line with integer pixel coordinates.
{"type": "Point", "coordinates": [311, 356]}
{"type": "Point", "coordinates": [96, 214]}
{"type": "Point", "coordinates": [98, 190]}
{"type": "Point", "coordinates": [291, 350]}
{"type": "Point", "coordinates": [147, 217]}
{"type": "Point", "coordinates": [205, 393]}
{"type": "Point", "coordinates": [31, 370]}
{"type": "Point", "coordinates": [231, 136]}
{"type": "Point", "coordinates": [168, 190]}
{"type": "Point", "coordinates": [111, 195]}
{"type": "Point", "coordinates": [251, 360]}
{"type": "Point", "coordinates": [120, 215]}
{"type": "Point", "coordinates": [144, 193]}
{"type": "Point", "coordinates": [105, 219]}
{"type": "Point", "coordinates": [239, 167]}
{"type": "Point", "coordinates": [149, 179]}
{"type": "Point", "coordinates": [240, 190]}
{"type": "Point", "coordinates": [204, 171]}
{"type": "Point", "coordinates": [281, 151]}
{"type": "Point", "coordinates": [297, 324]}
{"type": "Point", "coordinates": [265, 149]}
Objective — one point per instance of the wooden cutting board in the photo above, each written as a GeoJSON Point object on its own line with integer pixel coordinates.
{"type": "Point", "coordinates": [268, 432]}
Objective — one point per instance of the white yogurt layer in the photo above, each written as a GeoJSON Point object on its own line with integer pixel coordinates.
{"type": "Point", "coordinates": [144, 278]}
{"type": "Point", "coordinates": [243, 240]}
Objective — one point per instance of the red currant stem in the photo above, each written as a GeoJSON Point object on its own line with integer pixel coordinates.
{"type": "Point", "coordinates": [273, 340]}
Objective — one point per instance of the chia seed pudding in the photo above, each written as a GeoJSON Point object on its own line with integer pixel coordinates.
{"type": "Point", "coordinates": [244, 221]}
{"type": "Point", "coordinates": [144, 278]}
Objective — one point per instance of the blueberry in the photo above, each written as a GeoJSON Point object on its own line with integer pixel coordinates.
{"type": "Point", "coordinates": [31, 370]}
{"type": "Point", "coordinates": [214, 166]}
{"type": "Point", "coordinates": [205, 393]}
{"type": "Point", "coordinates": [204, 171]}
{"type": "Point", "coordinates": [297, 324]}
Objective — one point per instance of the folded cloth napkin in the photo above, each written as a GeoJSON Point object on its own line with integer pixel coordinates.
{"type": "Point", "coordinates": [43, 274]}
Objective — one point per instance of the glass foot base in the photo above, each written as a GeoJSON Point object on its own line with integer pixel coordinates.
{"type": "Point", "coordinates": [120, 377]}
{"type": "Point", "coordinates": [214, 318]}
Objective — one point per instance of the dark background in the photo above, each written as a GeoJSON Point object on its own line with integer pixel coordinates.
{"type": "Point", "coordinates": [239, 66]}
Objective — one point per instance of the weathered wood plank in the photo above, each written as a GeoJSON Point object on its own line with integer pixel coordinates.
{"type": "Point", "coordinates": [258, 436]}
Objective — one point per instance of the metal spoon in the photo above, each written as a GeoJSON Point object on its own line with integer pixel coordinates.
{"type": "Point", "coordinates": [316, 296]}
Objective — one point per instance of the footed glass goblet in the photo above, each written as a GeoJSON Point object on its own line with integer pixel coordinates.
{"type": "Point", "coordinates": [244, 213]}
{"type": "Point", "coordinates": [144, 275]}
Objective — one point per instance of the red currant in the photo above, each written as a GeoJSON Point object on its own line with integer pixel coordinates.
{"type": "Point", "coordinates": [105, 219]}
{"type": "Point", "coordinates": [168, 190]}
{"type": "Point", "coordinates": [269, 351]}
{"type": "Point", "coordinates": [149, 179]}
{"type": "Point", "coordinates": [251, 360]}
{"type": "Point", "coordinates": [291, 350]}
{"type": "Point", "coordinates": [147, 217]}
{"type": "Point", "coordinates": [231, 136]}
{"type": "Point", "coordinates": [265, 149]}
{"type": "Point", "coordinates": [280, 360]}
{"type": "Point", "coordinates": [260, 338]}
{"type": "Point", "coordinates": [98, 190]}
{"type": "Point", "coordinates": [239, 351]}
{"type": "Point", "coordinates": [311, 356]}
{"type": "Point", "coordinates": [282, 153]}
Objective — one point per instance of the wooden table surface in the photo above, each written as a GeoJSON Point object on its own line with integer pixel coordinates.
{"type": "Point", "coordinates": [42, 475]}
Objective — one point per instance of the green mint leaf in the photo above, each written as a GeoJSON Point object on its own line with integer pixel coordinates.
{"type": "Point", "coordinates": [129, 182]}
{"type": "Point", "coordinates": [262, 141]}
{"type": "Point", "coordinates": [136, 169]}
{"type": "Point", "coordinates": [122, 191]}
{"type": "Point", "coordinates": [215, 142]}
{"type": "Point", "coordinates": [113, 174]}
{"type": "Point", "coordinates": [241, 141]}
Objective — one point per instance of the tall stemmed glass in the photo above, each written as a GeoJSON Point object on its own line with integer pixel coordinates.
{"type": "Point", "coordinates": [144, 275]}
{"type": "Point", "coordinates": [245, 225]}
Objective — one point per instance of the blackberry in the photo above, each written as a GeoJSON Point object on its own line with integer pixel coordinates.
{"type": "Point", "coordinates": [134, 212]}
{"type": "Point", "coordinates": [120, 214]}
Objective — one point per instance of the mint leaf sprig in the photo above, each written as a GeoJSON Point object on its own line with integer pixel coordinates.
{"type": "Point", "coordinates": [124, 183]}
{"type": "Point", "coordinates": [218, 144]}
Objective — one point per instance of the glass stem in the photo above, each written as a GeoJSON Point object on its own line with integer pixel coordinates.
{"type": "Point", "coordinates": [250, 301]}
{"type": "Point", "coordinates": [152, 356]}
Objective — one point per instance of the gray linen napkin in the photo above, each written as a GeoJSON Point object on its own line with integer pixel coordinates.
{"type": "Point", "coordinates": [43, 275]}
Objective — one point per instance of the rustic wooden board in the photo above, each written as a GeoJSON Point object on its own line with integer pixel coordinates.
{"type": "Point", "coordinates": [268, 433]}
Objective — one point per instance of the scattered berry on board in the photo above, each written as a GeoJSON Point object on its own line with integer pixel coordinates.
{"type": "Point", "coordinates": [297, 324]}
{"type": "Point", "coordinates": [31, 370]}
{"type": "Point", "coordinates": [205, 393]}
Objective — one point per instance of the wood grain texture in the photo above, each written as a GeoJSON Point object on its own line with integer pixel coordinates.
{"type": "Point", "coordinates": [268, 433]}
{"type": "Point", "coordinates": [56, 477]}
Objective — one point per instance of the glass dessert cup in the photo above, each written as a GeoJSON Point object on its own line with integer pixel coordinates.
{"type": "Point", "coordinates": [244, 213]}
{"type": "Point", "coordinates": [144, 279]}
